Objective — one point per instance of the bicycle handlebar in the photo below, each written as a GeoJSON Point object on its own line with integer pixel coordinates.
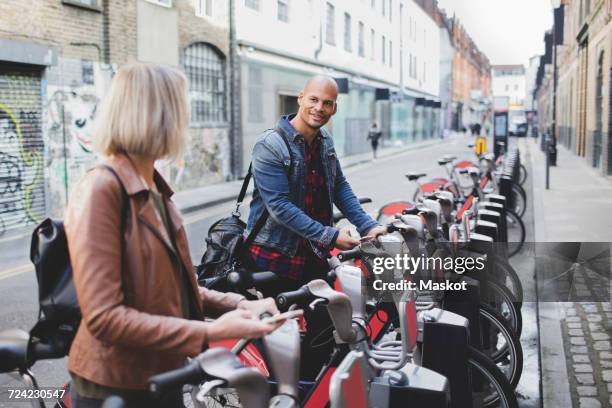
{"type": "Point", "coordinates": [244, 279]}
{"type": "Point", "coordinates": [349, 254]}
{"type": "Point", "coordinates": [192, 373]}
{"type": "Point", "coordinates": [286, 299]}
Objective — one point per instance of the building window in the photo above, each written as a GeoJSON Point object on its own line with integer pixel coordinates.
{"type": "Point", "coordinates": [165, 3]}
{"type": "Point", "coordinates": [372, 44]}
{"type": "Point", "coordinates": [283, 10]}
{"type": "Point", "coordinates": [203, 8]}
{"type": "Point", "coordinates": [507, 88]}
{"type": "Point", "coordinates": [252, 4]}
{"type": "Point", "coordinates": [330, 16]}
{"type": "Point", "coordinates": [347, 32]}
{"type": "Point", "coordinates": [390, 53]}
{"type": "Point", "coordinates": [390, 10]}
{"type": "Point", "coordinates": [516, 87]}
{"type": "Point", "coordinates": [87, 69]}
{"type": "Point", "coordinates": [410, 66]}
{"type": "Point", "coordinates": [384, 7]}
{"type": "Point", "coordinates": [373, 4]}
{"type": "Point", "coordinates": [204, 66]}
{"type": "Point", "coordinates": [361, 34]}
{"type": "Point", "coordinates": [384, 49]}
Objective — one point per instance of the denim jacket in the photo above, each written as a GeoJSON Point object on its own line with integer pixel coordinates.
{"type": "Point", "coordinates": [284, 198]}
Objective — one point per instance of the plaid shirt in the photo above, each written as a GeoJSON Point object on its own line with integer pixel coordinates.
{"type": "Point", "coordinates": [316, 207]}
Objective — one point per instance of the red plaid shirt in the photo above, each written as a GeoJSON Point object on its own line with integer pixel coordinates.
{"type": "Point", "coordinates": [316, 206]}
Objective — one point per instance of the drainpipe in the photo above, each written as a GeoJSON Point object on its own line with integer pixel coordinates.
{"type": "Point", "coordinates": [234, 102]}
{"type": "Point", "coordinates": [106, 32]}
{"type": "Point", "coordinates": [322, 16]}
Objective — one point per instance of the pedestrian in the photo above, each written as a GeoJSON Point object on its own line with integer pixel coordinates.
{"type": "Point", "coordinates": [298, 235]}
{"type": "Point", "coordinates": [374, 134]}
{"type": "Point", "coordinates": [142, 311]}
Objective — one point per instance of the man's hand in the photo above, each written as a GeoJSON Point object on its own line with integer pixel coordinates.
{"type": "Point", "coordinates": [259, 307]}
{"type": "Point", "coordinates": [376, 231]}
{"type": "Point", "coordinates": [345, 241]}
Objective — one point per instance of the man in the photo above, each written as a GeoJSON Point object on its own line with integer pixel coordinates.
{"type": "Point", "coordinates": [298, 234]}
{"type": "Point", "coordinates": [298, 190]}
{"type": "Point", "coordinates": [373, 135]}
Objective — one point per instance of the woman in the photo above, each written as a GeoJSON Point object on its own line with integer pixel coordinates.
{"type": "Point", "coordinates": [142, 309]}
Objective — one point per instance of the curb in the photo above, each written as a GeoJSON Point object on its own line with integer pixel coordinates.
{"type": "Point", "coordinates": [554, 381]}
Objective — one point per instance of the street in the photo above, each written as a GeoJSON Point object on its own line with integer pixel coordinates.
{"type": "Point", "coordinates": [382, 180]}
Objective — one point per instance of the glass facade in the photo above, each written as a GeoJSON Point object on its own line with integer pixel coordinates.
{"type": "Point", "coordinates": [270, 90]}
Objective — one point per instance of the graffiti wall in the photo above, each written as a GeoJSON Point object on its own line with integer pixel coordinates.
{"type": "Point", "coordinates": [22, 198]}
{"type": "Point", "coordinates": [46, 141]}
{"type": "Point", "coordinates": [74, 88]}
{"type": "Point", "coordinates": [206, 159]}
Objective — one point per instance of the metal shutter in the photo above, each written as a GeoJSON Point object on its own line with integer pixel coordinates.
{"type": "Point", "coordinates": [22, 200]}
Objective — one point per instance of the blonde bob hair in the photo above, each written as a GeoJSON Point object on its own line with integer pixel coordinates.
{"type": "Point", "coordinates": [145, 113]}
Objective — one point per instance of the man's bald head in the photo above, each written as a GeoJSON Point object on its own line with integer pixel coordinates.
{"type": "Point", "coordinates": [321, 81]}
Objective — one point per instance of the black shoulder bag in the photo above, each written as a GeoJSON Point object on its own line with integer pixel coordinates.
{"type": "Point", "coordinates": [226, 248]}
{"type": "Point", "coordinates": [59, 313]}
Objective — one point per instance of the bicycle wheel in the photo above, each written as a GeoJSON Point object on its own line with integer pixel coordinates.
{"type": "Point", "coordinates": [519, 199]}
{"type": "Point", "coordinates": [507, 276]}
{"type": "Point", "coordinates": [522, 174]}
{"type": "Point", "coordinates": [217, 398]}
{"type": "Point", "coordinates": [516, 232]}
{"type": "Point", "coordinates": [504, 346]}
{"type": "Point", "coordinates": [502, 300]}
{"type": "Point", "coordinates": [496, 389]}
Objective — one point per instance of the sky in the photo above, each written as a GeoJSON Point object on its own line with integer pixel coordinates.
{"type": "Point", "coordinates": [507, 31]}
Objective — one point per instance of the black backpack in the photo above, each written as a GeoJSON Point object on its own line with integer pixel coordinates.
{"type": "Point", "coordinates": [59, 313]}
{"type": "Point", "coordinates": [226, 248]}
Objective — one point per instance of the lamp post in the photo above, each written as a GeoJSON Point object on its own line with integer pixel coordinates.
{"type": "Point", "coordinates": [556, 4]}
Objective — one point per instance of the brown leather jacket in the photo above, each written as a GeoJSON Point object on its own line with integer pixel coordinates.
{"type": "Point", "coordinates": [131, 327]}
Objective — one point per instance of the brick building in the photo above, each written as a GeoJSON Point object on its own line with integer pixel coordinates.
{"type": "Point", "coordinates": [56, 61]}
{"type": "Point", "coordinates": [584, 63]}
{"type": "Point", "coordinates": [471, 85]}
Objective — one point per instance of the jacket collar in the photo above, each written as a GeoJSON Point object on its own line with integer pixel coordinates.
{"type": "Point", "coordinates": [284, 126]}
{"type": "Point", "coordinates": [122, 164]}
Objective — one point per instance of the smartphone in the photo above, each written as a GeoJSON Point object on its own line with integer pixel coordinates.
{"type": "Point", "coordinates": [292, 314]}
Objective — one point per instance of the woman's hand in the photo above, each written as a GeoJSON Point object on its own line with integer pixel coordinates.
{"type": "Point", "coordinates": [259, 307]}
{"type": "Point", "coordinates": [239, 324]}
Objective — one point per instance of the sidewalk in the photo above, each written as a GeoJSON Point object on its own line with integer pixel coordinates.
{"type": "Point", "coordinates": [575, 340]}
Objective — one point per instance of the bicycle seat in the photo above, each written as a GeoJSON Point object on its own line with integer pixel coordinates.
{"type": "Point", "coordinates": [412, 176]}
{"type": "Point", "coordinates": [443, 161]}
{"type": "Point", "coordinates": [13, 349]}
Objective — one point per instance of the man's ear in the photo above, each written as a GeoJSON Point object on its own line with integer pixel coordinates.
{"type": "Point", "coordinates": [299, 98]}
{"type": "Point", "coordinates": [335, 108]}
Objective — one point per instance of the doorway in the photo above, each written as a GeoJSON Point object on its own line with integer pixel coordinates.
{"type": "Point", "coordinates": [287, 104]}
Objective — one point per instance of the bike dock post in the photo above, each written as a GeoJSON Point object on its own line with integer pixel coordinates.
{"type": "Point", "coordinates": [446, 339]}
